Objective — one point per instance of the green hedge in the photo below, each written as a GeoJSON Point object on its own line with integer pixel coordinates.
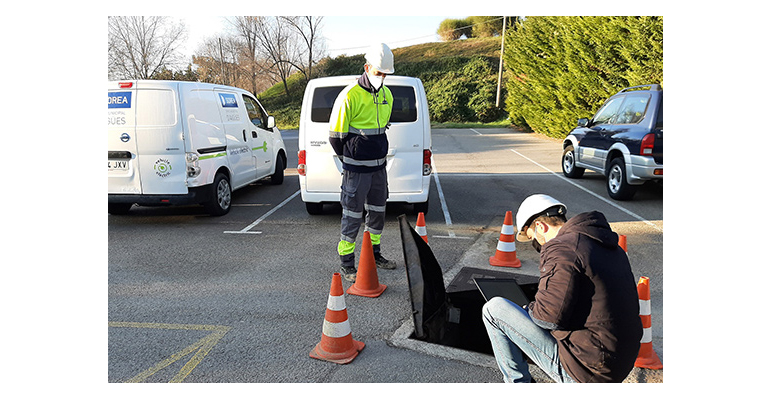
{"type": "Point", "coordinates": [559, 69]}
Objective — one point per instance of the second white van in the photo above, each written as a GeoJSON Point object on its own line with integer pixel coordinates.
{"type": "Point", "coordinates": [174, 143]}
{"type": "Point", "coordinates": [409, 143]}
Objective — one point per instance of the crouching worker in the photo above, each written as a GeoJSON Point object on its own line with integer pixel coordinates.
{"type": "Point", "coordinates": [583, 325]}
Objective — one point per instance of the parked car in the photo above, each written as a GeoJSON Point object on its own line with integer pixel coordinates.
{"type": "Point", "coordinates": [623, 141]}
{"type": "Point", "coordinates": [174, 143]}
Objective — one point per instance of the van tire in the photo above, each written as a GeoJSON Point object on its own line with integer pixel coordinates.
{"type": "Point", "coordinates": [221, 197]}
{"type": "Point", "coordinates": [314, 208]}
{"type": "Point", "coordinates": [118, 208]}
{"type": "Point", "coordinates": [277, 177]}
{"type": "Point", "coordinates": [421, 208]}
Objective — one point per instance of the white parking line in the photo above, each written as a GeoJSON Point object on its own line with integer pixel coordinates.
{"type": "Point", "coordinates": [444, 207]}
{"type": "Point", "coordinates": [262, 218]}
{"type": "Point", "coordinates": [625, 210]}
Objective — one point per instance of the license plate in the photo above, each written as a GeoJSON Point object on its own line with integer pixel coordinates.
{"type": "Point", "coordinates": [117, 165]}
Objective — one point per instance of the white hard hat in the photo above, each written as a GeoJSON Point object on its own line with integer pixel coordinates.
{"type": "Point", "coordinates": [532, 207]}
{"type": "Point", "coordinates": [380, 57]}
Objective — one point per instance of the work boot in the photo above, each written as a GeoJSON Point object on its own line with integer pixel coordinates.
{"type": "Point", "coordinates": [349, 273]}
{"type": "Point", "coordinates": [383, 262]}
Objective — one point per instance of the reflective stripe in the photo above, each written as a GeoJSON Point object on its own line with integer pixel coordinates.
{"type": "Point", "coordinates": [364, 163]}
{"type": "Point", "coordinates": [507, 230]}
{"type": "Point", "coordinates": [352, 214]}
{"type": "Point", "coordinates": [644, 307]}
{"type": "Point", "coordinates": [336, 303]}
{"type": "Point", "coordinates": [506, 246]}
{"type": "Point", "coordinates": [646, 335]}
{"type": "Point", "coordinates": [375, 237]}
{"type": "Point", "coordinates": [336, 330]}
{"type": "Point", "coordinates": [367, 132]}
{"type": "Point", "coordinates": [373, 231]}
{"type": "Point", "coordinates": [369, 207]}
{"type": "Point", "coordinates": [346, 246]}
{"type": "Point", "coordinates": [339, 135]}
{"type": "Point", "coordinates": [422, 231]}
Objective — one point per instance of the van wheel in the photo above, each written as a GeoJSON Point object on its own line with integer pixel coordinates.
{"type": "Point", "coordinates": [118, 208]}
{"type": "Point", "coordinates": [222, 196]}
{"type": "Point", "coordinates": [277, 177]}
{"type": "Point", "coordinates": [314, 208]}
{"type": "Point", "coordinates": [421, 208]}
{"type": "Point", "coordinates": [617, 186]}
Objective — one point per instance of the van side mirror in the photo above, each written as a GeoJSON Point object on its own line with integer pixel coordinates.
{"type": "Point", "coordinates": [270, 122]}
{"type": "Point", "coordinates": [582, 122]}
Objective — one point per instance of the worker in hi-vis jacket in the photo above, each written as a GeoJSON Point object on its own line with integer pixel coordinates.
{"type": "Point", "coordinates": [357, 127]}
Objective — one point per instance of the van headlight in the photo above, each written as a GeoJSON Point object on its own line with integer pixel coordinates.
{"type": "Point", "coordinates": [193, 170]}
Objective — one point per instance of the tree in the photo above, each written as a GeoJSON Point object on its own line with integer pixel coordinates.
{"type": "Point", "coordinates": [308, 27]}
{"type": "Point", "coordinates": [141, 47]}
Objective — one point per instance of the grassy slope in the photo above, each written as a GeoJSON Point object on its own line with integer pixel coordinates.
{"type": "Point", "coordinates": [286, 108]}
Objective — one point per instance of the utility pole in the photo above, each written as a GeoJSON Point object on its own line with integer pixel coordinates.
{"type": "Point", "coordinates": [500, 72]}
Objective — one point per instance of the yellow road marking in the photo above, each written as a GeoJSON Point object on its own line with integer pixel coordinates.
{"type": "Point", "coordinates": [203, 346]}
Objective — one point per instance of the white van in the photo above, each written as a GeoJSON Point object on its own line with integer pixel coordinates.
{"type": "Point", "coordinates": [173, 143]}
{"type": "Point", "coordinates": [409, 143]}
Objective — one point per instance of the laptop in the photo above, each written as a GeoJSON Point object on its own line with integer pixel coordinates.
{"type": "Point", "coordinates": [507, 288]}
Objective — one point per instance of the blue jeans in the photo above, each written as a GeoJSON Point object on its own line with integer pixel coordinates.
{"type": "Point", "coordinates": [512, 332]}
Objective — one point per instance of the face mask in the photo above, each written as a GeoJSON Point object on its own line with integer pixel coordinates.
{"type": "Point", "coordinates": [376, 81]}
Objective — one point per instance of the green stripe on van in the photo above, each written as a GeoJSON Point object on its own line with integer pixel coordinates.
{"type": "Point", "coordinates": [212, 156]}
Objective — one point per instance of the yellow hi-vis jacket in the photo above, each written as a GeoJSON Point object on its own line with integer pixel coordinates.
{"type": "Point", "coordinates": [357, 126]}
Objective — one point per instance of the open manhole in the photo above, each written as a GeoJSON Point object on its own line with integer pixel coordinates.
{"type": "Point", "coordinates": [449, 316]}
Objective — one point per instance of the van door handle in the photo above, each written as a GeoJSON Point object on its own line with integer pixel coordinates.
{"type": "Point", "coordinates": [254, 134]}
{"type": "Point", "coordinates": [244, 135]}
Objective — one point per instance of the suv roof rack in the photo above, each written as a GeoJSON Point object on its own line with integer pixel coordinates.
{"type": "Point", "coordinates": [652, 86]}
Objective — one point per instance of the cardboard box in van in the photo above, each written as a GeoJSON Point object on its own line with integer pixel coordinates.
{"type": "Point", "coordinates": [409, 143]}
{"type": "Point", "coordinates": [174, 143]}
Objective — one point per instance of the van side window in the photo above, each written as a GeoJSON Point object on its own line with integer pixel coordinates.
{"type": "Point", "coordinates": [323, 101]}
{"type": "Point", "coordinates": [404, 104]}
{"type": "Point", "coordinates": [256, 114]}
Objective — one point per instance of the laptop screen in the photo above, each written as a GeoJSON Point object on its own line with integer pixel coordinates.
{"type": "Point", "coordinates": [507, 288]}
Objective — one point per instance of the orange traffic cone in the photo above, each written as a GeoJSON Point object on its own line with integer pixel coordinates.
{"type": "Point", "coordinates": [337, 344]}
{"type": "Point", "coordinates": [420, 227]}
{"type": "Point", "coordinates": [647, 357]}
{"type": "Point", "coordinates": [367, 283]}
{"type": "Point", "coordinates": [622, 243]}
{"type": "Point", "coordinates": [505, 256]}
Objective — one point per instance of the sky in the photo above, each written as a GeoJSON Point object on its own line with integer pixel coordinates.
{"type": "Point", "coordinates": [344, 34]}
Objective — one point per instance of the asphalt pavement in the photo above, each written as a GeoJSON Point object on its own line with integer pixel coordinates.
{"type": "Point", "coordinates": [242, 298]}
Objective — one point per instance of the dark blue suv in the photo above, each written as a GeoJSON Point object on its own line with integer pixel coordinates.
{"type": "Point", "coordinates": [623, 141]}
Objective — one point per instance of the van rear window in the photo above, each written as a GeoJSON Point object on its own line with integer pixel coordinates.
{"type": "Point", "coordinates": [404, 103]}
{"type": "Point", "coordinates": [323, 101]}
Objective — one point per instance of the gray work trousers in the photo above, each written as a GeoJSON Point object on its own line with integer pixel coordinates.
{"type": "Point", "coordinates": [362, 191]}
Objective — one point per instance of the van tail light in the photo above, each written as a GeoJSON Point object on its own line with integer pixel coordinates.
{"type": "Point", "coordinates": [125, 85]}
{"type": "Point", "coordinates": [648, 142]}
{"type": "Point", "coordinates": [301, 163]}
{"type": "Point", "coordinates": [427, 166]}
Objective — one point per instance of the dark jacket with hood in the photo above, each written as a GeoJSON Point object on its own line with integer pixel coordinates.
{"type": "Point", "coordinates": [587, 297]}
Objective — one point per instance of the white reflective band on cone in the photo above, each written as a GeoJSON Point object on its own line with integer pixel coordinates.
{"type": "Point", "coordinates": [507, 230]}
{"type": "Point", "coordinates": [646, 335]}
{"type": "Point", "coordinates": [421, 230]}
{"type": "Point", "coordinates": [506, 246]}
{"type": "Point", "coordinates": [644, 307]}
{"type": "Point", "coordinates": [336, 330]}
{"type": "Point", "coordinates": [336, 303]}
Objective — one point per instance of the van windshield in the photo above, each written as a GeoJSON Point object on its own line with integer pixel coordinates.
{"type": "Point", "coordinates": [404, 103]}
